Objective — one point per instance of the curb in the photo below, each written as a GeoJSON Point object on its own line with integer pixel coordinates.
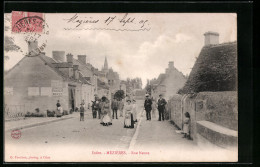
{"type": "Point", "coordinates": [37, 124]}
{"type": "Point", "coordinates": [133, 140]}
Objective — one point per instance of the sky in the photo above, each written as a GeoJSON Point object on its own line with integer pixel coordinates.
{"type": "Point", "coordinates": [143, 49]}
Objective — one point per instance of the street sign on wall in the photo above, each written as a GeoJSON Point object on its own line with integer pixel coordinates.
{"type": "Point", "coordinates": [57, 87]}
{"type": "Point", "coordinates": [57, 91]}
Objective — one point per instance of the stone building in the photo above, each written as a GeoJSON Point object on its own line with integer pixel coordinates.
{"type": "Point", "coordinates": [39, 81]}
{"type": "Point", "coordinates": [168, 83]}
{"type": "Point", "coordinates": [210, 95]}
{"type": "Point", "coordinates": [90, 74]}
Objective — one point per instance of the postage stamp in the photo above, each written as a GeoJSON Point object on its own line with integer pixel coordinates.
{"type": "Point", "coordinates": [27, 22]}
{"type": "Point", "coordinates": [33, 28]}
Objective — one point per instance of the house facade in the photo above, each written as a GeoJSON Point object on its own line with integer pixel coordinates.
{"type": "Point", "coordinates": [168, 83]}
{"type": "Point", "coordinates": [39, 81]}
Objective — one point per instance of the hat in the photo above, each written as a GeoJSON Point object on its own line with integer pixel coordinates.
{"type": "Point", "coordinates": [128, 100]}
{"type": "Point", "coordinates": [103, 98]}
{"type": "Point", "coordinates": [146, 95]}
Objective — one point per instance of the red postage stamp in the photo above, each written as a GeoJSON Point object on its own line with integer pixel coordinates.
{"type": "Point", "coordinates": [16, 134]}
{"type": "Point", "coordinates": [27, 22]}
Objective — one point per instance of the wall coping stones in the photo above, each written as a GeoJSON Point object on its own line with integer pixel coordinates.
{"type": "Point", "coordinates": [218, 128]}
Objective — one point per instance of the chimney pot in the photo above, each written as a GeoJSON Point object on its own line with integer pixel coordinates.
{"type": "Point", "coordinates": [69, 58]}
{"type": "Point", "coordinates": [33, 48]}
{"type": "Point", "coordinates": [171, 64]}
{"type": "Point", "coordinates": [211, 38]}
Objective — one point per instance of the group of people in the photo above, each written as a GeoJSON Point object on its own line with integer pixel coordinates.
{"type": "Point", "coordinates": [148, 106]}
{"type": "Point", "coordinates": [102, 107]}
{"type": "Point", "coordinates": [107, 111]}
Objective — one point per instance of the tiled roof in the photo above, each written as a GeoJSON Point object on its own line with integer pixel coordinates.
{"type": "Point", "coordinates": [53, 64]}
{"type": "Point", "coordinates": [49, 61]}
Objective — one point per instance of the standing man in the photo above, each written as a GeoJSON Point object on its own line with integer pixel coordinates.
{"type": "Point", "coordinates": [96, 108]}
{"type": "Point", "coordinates": [161, 107]}
{"type": "Point", "coordinates": [148, 106]}
{"type": "Point", "coordinates": [81, 109]}
{"type": "Point", "coordinates": [121, 107]}
{"type": "Point", "coordinates": [114, 106]}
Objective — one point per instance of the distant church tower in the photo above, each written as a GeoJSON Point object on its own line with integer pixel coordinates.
{"type": "Point", "coordinates": [105, 68]}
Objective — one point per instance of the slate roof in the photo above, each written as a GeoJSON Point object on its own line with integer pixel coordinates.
{"type": "Point", "coordinates": [53, 64]}
{"type": "Point", "coordinates": [214, 70]}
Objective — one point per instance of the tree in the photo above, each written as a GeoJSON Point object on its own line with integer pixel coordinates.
{"type": "Point", "coordinates": [120, 94]}
{"type": "Point", "coordinates": [9, 44]}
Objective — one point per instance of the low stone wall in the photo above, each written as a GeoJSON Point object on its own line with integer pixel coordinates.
{"type": "Point", "coordinates": [217, 107]}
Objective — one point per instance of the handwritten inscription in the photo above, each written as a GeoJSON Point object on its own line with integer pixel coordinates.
{"type": "Point", "coordinates": [124, 22]}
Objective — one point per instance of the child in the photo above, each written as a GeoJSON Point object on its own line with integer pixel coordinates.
{"type": "Point", "coordinates": [127, 121]}
{"type": "Point", "coordinates": [81, 112]}
{"type": "Point", "coordinates": [186, 126]}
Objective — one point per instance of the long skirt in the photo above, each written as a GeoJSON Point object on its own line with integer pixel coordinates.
{"type": "Point", "coordinates": [186, 128]}
{"type": "Point", "coordinates": [106, 119]}
{"type": "Point", "coordinates": [129, 122]}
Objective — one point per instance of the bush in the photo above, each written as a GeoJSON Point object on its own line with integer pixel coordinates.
{"type": "Point", "coordinates": [28, 114]}
{"type": "Point", "coordinates": [65, 112]}
{"type": "Point", "coordinates": [50, 113]}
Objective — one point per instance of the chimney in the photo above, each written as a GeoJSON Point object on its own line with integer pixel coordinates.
{"type": "Point", "coordinates": [211, 38]}
{"type": "Point", "coordinates": [170, 65]}
{"type": "Point", "coordinates": [59, 56]}
{"type": "Point", "coordinates": [69, 58]}
{"type": "Point", "coordinates": [82, 59]}
{"type": "Point", "coordinates": [33, 48]}
{"type": "Point", "coordinates": [76, 71]}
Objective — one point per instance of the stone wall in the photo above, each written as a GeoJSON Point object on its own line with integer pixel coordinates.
{"type": "Point", "coordinates": [217, 107]}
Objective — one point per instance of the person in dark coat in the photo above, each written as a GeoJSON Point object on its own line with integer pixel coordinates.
{"type": "Point", "coordinates": [81, 110]}
{"type": "Point", "coordinates": [114, 106]}
{"type": "Point", "coordinates": [148, 106]}
{"type": "Point", "coordinates": [161, 107]}
{"type": "Point", "coordinates": [58, 104]}
{"type": "Point", "coordinates": [95, 108]}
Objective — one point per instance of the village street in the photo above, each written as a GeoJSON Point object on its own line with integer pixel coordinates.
{"type": "Point", "coordinates": [91, 141]}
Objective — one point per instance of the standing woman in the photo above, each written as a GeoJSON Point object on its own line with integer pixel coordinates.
{"type": "Point", "coordinates": [128, 123]}
{"type": "Point", "coordinates": [134, 111]}
{"type": "Point", "coordinates": [105, 112]}
{"type": "Point", "coordinates": [101, 106]}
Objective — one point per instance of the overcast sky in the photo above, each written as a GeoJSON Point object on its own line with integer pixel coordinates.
{"type": "Point", "coordinates": [145, 54]}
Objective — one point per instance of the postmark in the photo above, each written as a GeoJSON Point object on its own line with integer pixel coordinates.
{"type": "Point", "coordinates": [16, 134]}
{"type": "Point", "coordinates": [34, 30]}
{"type": "Point", "coordinates": [27, 22]}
